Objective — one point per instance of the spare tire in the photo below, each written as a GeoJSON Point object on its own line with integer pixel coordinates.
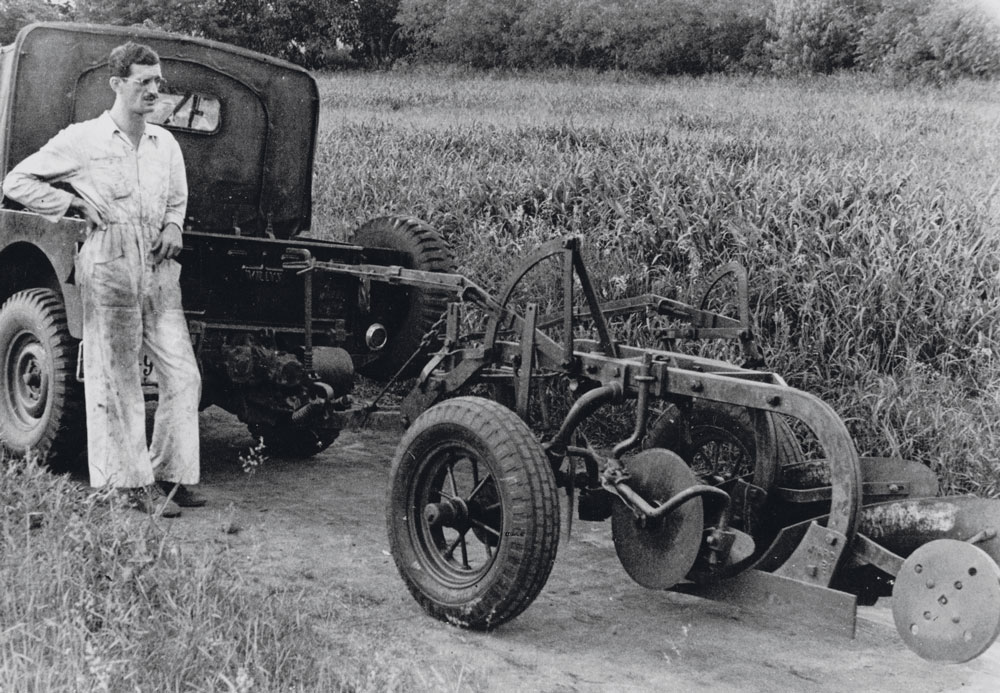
{"type": "Point", "coordinates": [428, 252]}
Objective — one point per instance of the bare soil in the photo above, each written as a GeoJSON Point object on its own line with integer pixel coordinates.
{"type": "Point", "coordinates": [319, 524]}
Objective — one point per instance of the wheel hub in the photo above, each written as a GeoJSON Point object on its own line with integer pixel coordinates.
{"type": "Point", "coordinates": [451, 512]}
{"type": "Point", "coordinates": [27, 378]}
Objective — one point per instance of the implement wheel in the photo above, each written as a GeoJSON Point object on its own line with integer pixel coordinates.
{"type": "Point", "coordinates": [41, 402]}
{"type": "Point", "coordinates": [473, 515]}
{"type": "Point", "coordinates": [717, 442]}
{"type": "Point", "coordinates": [421, 308]}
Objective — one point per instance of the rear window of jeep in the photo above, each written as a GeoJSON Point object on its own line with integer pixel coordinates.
{"type": "Point", "coordinates": [189, 111]}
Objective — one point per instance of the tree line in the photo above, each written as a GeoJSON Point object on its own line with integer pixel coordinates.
{"type": "Point", "coordinates": [935, 40]}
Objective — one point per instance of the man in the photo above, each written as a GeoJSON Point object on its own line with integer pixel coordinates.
{"type": "Point", "coordinates": [127, 180]}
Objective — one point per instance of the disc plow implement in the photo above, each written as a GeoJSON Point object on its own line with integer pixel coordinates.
{"type": "Point", "coordinates": [711, 493]}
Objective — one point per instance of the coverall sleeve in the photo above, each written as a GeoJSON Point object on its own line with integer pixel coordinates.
{"type": "Point", "coordinates": [177, 195]}
{"type": "Point", "coordinates": [30, 182]}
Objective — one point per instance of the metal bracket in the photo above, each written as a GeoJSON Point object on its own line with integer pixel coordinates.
{"type": "Point", "coordinates": [817, 556]}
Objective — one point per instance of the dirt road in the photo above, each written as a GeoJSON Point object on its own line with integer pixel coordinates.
{"type": "Point", "coordinates": [320, 523]}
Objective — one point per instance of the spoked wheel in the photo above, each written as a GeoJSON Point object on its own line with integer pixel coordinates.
{"type": "Point", "coordinates": [528, 335]}
{"type": "Point", "coordinates": [473, 515]}
{"type": "Point", "coordinates": [717, 441]}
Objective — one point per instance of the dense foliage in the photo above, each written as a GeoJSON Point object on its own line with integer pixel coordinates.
{"type": "Point", "coordinates": [929, 40]}
{"type": "Point", "coordinates": [924, 38]}
{"type": "Point", "coordinates": [312, 33]}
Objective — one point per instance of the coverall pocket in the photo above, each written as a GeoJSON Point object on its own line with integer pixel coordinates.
{"type": "Point", "coordinates": [111, 283]}
{"type": "Point", "coordinates": [103, 245]}
{"type": "Point", "coordinates": [104, 272]}
{"type": "Point", "coordinates": [110, 177]}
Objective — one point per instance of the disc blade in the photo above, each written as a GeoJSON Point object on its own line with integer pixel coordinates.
{"type": "Point", "coordinates": [658, 553]}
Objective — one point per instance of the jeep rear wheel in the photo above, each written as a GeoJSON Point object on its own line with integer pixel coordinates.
{"type": "Point", "coordinates": [428, 252]}
{"type": "Point", "coordinates": [41, 402]}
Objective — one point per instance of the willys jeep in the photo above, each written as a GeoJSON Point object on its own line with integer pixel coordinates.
{"type": "Point", "coordinates": [247, 126]}
{"type": "Point", "coordinates": [712, 492]}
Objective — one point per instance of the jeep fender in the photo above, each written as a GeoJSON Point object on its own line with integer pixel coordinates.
{"type": "Point", "coordinates": [35, 253]}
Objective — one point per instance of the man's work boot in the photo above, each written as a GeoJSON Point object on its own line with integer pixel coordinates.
{"type": "Point", "coordinates": [184, 496]}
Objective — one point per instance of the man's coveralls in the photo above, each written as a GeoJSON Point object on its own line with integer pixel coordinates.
{"type": "Point", "coordinates": [128, 300]}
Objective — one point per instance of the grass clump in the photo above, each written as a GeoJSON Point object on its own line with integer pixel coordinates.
{"type": "Point", "coordinates": [93, 600]}
{"type": "Point", "coordinates": [95, 597]}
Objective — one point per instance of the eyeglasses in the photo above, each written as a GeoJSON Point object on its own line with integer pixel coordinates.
{"type": "Point", "coordinates": [146, 83]}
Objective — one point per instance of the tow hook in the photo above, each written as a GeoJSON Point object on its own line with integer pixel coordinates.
{"type": "Point", "coordinates": [320, 395]}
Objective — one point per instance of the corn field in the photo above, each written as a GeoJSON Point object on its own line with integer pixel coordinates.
{"type": "Point", "coordinates": [867, 217]}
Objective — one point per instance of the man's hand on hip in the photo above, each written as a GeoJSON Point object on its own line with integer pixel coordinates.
{"type": "Point", "coordinates": [169, 243]}
{"type": "Point", "coordinates": [90, 214]}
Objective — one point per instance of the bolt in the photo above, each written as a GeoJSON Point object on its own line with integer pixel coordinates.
{"type": "Point", "coordinates": [697, 387]}
{"type": "Point", "coordinates": [927, 615]}
{"type": "Point", "coordinates": [956, 619]}
{"type": "Point", "coordinates": [958, 584]}
{"type": "Point", "coordinates": [942, 600]}
{"type": "Point", "coordinates": [774, 400]}
{"type": "Point", "coordinates": [812, 570]}
{"type": "Point", "coordinates": [930, 584]}
{"type": "Point", "coordinates": [894, 488]}
{"type": "Point", "coordinates": [831, 539]}
{"type": "Point", "coordinates": [918, 568]}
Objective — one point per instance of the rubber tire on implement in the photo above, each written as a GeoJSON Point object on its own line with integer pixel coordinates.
{"type": "Point", "coordinates": [428, 252]}
{"type": "Point", "coordinates": [41, 402]}
{"type": "Point", "coordinates": [514, 514]}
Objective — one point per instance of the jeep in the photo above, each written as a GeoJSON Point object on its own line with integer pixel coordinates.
{"type": "Point", "coordinates": [278, 349]}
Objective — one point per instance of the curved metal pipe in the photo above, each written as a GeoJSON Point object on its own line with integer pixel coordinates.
{"type": "Point", "coordinates": [678, 499]}
{"type": "Point", "coordinates": [587, 404]}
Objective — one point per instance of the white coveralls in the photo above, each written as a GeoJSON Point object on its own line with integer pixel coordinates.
{"type": "Point", "coordinates": [127, 300]}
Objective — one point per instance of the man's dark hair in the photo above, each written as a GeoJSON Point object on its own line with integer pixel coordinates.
{"type": "Point", "coordinates": [123, 57]}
